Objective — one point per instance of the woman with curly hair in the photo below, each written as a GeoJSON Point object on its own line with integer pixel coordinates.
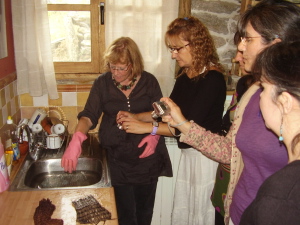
{"type": "Point", "coordinates": [200, 90]}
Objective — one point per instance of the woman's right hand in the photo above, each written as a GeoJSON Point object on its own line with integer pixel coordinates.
{"type": "Point", "coordinates": [70, 158]}
{"type": "Point", "coordinates": [175, 116]}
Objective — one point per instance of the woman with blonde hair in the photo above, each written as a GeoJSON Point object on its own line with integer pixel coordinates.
{"type": "Point", "coordinates": [124, 86]}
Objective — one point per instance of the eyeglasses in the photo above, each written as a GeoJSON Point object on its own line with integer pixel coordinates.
{"type": "Point", "coordinates": [176, 50]}
{"type": "Point", "coordinates": [119, 68]}
{"type": "Point", "coordinates": [245, 40]}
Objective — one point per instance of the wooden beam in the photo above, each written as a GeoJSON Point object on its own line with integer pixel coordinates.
{"type": "Point", "coordinates": [184, 8]}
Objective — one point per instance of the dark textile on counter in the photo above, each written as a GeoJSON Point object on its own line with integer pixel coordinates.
{"type": "Point", "coordinates": [43, 213]}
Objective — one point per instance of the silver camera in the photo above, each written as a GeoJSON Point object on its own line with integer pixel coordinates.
{"type": "Point", "coordinates": [160, 109]}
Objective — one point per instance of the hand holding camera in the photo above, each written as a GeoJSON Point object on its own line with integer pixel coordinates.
{"type": "Point", "coordinates": [174, 116]}
{"type": "Point", "coordinates": [160, 109]}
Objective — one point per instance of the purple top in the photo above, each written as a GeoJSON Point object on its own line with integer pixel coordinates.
{"type": "Point", "coordinates": [262, 154]}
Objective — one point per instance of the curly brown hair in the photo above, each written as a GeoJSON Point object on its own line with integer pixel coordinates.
{"type": "Point", "coordinates": [202, 46]}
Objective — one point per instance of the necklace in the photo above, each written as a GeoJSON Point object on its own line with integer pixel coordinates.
{"type": "Point", "coordinates": [125, 87]}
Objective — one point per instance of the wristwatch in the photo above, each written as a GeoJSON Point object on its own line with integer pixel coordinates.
{"type": "Point", "coordinates": [155, 125]}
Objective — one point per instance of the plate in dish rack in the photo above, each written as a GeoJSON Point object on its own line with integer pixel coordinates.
{"type": "Point", "coordinates": [56, 112]}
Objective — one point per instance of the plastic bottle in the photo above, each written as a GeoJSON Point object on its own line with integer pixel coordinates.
{"type": "Point", "coordinates": [4, 178]}
{"type": "Point", "coordinates": [11, 139]}
{"type": "Point", "coordinates": [23, 134]}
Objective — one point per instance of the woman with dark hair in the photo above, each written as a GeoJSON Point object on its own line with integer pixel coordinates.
{"type": "Point", "coordinates": [200, 89]}
{"type": "Point", "coordinates": [278, 199]}
{"type": "Point", "coordinates": [223, 171]}
{"type": "Point", "coordinates": [251, 149]}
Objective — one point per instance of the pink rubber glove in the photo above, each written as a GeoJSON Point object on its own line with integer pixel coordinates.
{"type": "Point", "coordinates": [70, 158]}
{"type": "Point", "coordinates": [151, 141]}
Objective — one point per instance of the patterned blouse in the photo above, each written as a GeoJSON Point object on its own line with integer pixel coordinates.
{"type": "Point", "coordinates": [220, 148]}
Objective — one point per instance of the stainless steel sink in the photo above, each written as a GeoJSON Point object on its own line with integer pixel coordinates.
{"type": "Point", "coordinates": [47, 173]}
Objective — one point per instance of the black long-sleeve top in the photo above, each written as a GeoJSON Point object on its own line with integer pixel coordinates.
{"type": "Point", "coordinates": [201, 99]}
{"type": "Point", "coordinates": [123, 154]}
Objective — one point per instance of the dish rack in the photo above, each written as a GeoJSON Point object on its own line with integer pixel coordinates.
{"type": "Point", "coordinates": [38, 146]}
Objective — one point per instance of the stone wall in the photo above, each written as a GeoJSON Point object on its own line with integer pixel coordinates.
{"type": "Point", "coordinates": [221, 18]}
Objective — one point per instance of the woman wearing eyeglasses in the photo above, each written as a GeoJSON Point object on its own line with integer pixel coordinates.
{"type": "Point", "coordinates": [253, 151]}
{"type": "Point", "coordinates": [124, 86]}
{"type": "Point", "coordinates": [200, 90]}
{"type": "Point", "coordinates": [278, 198]}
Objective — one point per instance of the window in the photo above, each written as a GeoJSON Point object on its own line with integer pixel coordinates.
{"type": "Point", "coordinates": [77, 35]}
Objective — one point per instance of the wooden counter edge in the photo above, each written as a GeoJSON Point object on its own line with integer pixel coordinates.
{"type": "Point", "coordinates": [19, 207]}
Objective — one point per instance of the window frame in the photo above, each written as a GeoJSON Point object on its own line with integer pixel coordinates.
{"type": "Point", "coordinates": [97, 40]}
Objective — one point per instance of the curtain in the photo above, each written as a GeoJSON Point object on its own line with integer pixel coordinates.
{"type": "Point", "coordinates": [3, 43]}
{"type": "Point", "coordinates": [32, 42]}
{"type": "Point", "coordinates": [146, 23]}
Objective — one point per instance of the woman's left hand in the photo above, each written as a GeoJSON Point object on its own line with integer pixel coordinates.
{"type": "Point", "coordinates": [122, 114]}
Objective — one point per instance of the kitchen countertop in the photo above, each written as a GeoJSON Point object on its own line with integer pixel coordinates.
{"type": "Point", "coordinates": [19, 207]}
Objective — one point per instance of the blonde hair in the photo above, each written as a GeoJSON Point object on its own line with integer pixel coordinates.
{"type": "Point", "coordinates": [202, 46]}
{"type": "Point", "coordinates": [124, 50]}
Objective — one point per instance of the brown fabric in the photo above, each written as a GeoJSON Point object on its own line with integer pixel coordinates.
{"type": "Point", "coordinates": [43, 213]}
{"type": "Point", "coordinates": [89, 210]}
{"type": "Point", "coordinates": [54, 222]}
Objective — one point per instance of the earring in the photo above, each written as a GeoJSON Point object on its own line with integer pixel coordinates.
{"type": "Point", "coordinates": [280, 132]}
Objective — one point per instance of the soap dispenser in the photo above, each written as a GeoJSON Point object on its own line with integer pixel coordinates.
{"type": "Point", "coordinates": [11, 139]}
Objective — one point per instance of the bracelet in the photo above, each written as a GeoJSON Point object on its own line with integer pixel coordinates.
{"type": "Point", "coordinates": [172, 131]}
{"type": "Point", "coordinates": [154, 131]}
{"type": "Point", "coordinates": [179, 124]}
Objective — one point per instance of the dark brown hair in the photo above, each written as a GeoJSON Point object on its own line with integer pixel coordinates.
{"type": "Point", "coordinates": [272, 19]}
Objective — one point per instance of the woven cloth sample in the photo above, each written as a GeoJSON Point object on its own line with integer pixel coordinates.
{"type": "Point", "coordinates": [89, 211]}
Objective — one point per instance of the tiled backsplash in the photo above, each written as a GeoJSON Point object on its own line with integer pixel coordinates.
{"type": "Point", "coordinates": [23, 106]}
{"type": "Point", "coordinates": [9, 99]}
{"type": "Point", "coordinates": [71, 104]}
